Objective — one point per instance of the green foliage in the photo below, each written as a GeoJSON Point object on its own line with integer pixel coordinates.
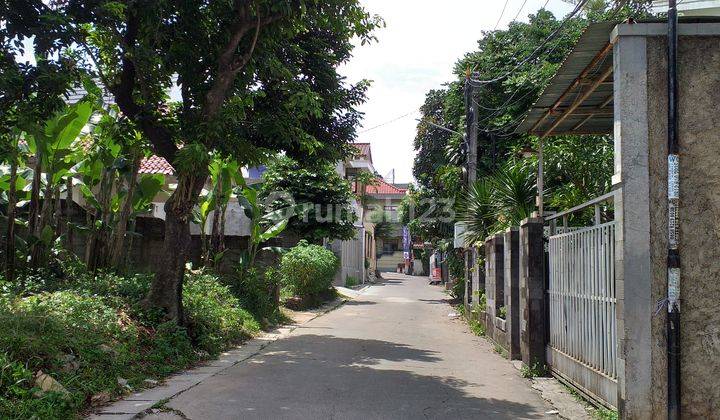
{"type": "Point", "coordinates": [477, 328]}
{"type": "Point", "coordinates": [537, 370]}
{"type": "Point", "coordinates": [324, 195]}
{"type": "Point", "coordinates": [257, 292]}
{"type": "Point", "coordinates": [481, 300]}
{"type": "Point", "coordinates": [502, 312]}
{"type": "Point", "coordinates": [308, 270]}
{"type": "Point", "coordinates": [428, 216]}
{"type": "Point", "coordinates": [498, 201]}
{"type": "Point", "coordinates": [456, 267]}
{"type": "Point", "coordinates": [87, 330]}
{"type": "Point", "coordinates": [351, 281]}
{"type": "Point", "coordinates": [215, 318]}
{"type": "Point", "coordinates": [577, 169]}
{"type": "Point", "coordinates": [602, 413]}
{"type": "Point", "coordinates": [500, 350]}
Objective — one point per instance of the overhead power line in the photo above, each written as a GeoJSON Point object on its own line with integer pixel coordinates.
{"type": "Point", "coordinates": [501, 15]}
{"type": "Point", "coordinates": [388, 122]}
{"type": "Point", "coordinates": [536, 52]}
{"type": "Point", "coordinates": [520, 11]}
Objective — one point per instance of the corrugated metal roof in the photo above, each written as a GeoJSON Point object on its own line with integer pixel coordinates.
{"type": "Point", "coordinates": [583, 120]}
{"type": "Point", "coordinates": [592, 41]}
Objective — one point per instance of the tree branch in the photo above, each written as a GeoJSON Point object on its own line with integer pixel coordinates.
{"type": "Point", "coordinates": [160, 136]}
{"type": "Point", "coordinates": [229, 63]}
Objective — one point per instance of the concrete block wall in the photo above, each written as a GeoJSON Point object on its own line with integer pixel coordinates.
{"type": "Point", "coordinates": [495, 289]}
{"type": "Point", "coordinates": [531, 295]}
{"type": "Point", "coordinates": [640, 66]}
{"type": "Point", "coordinates": [511, 266]}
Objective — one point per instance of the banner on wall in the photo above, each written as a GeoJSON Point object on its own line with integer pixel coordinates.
{"type": "Point", "coordinates": [407, 243]}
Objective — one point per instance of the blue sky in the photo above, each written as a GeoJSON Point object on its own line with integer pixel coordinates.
{"type": "Point", "coordinates": [415, 53]}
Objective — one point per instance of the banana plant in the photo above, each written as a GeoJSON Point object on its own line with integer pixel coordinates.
{"type": "Point", "coordinates": [225, 174]}
{"type": "Point", "coordinates": [263, 225]}
{"type": "Point", "coordinates": [10, 185]}
{"type": "Point", "coordinates": [52, 145]}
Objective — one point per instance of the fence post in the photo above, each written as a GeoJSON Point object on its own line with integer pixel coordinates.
{"type": "Point", "coordinates": [494, 287]}
{"type": "Point", "coordinates": [512, 290]}
{"type": "Point", "coordinates": [533, 318]}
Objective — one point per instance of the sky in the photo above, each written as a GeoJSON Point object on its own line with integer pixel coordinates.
{"type": "Point", "coordinates": [416, 52]}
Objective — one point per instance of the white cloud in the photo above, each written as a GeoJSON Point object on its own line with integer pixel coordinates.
{"type": "Point", "coordinates": [416, 53]}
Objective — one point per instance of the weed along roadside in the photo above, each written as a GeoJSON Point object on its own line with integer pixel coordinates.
{"type": "Point", "coordinates": [76, 342]}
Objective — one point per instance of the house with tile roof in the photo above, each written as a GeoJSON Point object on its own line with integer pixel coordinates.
{"type": "Point", "coordinates": [359, 257]}
{"type": "Point", "coordinates": [369, 252]}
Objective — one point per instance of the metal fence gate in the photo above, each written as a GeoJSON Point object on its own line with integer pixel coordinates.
{"type": "Point", "coordinates": [581, 292]}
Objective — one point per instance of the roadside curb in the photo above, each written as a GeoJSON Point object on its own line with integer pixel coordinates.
{"type": "Point", "coordinates": [138, 404]}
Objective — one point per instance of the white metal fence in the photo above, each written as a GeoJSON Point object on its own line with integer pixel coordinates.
{"type": "Point", "coordinates": [581, 291]}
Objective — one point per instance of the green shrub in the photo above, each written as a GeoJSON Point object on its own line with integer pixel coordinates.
{"type": "Point", "coordinates": [351, 281]}
{"type": "Point", "coordinates": [537, 370]}
{"type": "Point", "coordinates": [457, 291]}
{"type": "Point", "coordinates": [476, 327]}
{"type": "Point", "coordinates": [308, 270]}
{"type": "Point", "coordinates": [256, 292]}
{"type": "Point", "coordinates": [215, 317]}
{"type": "Point", "coordinates": [88, 337]}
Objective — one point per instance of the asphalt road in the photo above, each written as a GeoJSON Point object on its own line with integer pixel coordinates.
{"type": "Point", "coordinates": [393, 353]}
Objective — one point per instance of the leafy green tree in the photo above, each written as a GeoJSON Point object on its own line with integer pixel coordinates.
{"type": "Point", "coordinates": [430, 141]}
{"type": "Point", "coordinates": [255, 78]}
{"type": "Point", "coordinates": [325, 196]}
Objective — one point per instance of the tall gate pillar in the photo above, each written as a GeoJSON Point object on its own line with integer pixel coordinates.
{"type": "Point", "coordinates": [532, 303]}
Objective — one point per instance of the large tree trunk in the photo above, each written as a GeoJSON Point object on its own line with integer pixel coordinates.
{"type": "Point", "coordinates": [117, 249]}
{"type": "Point", "coordinates": [166, 289]}
{"type": "Point", "coordinates": [12, 202]}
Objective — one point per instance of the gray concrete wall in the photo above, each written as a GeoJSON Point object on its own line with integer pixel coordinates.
{"type": "Point", "coordinates": [512, 290]}
{"type": "Point", "coordinates": [495, 289]}
{"type": "Point", "coordinates": [533, 313]}
{"type": "Point", "coordinates": [641, 171]}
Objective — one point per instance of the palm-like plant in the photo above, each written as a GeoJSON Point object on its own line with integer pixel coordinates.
{"type": "Point", "coordinates": [498, 201]}
{"type": "Point", "coordinates": [513, 194]}
{"type": "Point", "coordinates": [476, 210]}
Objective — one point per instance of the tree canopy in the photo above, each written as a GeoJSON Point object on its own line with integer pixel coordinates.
{"type": "Point", "coordinates": [577, 168]}
{"type": "Point", "coordinates": [255, 78]}
{"type": "Point", "coordinates": [324, 195]}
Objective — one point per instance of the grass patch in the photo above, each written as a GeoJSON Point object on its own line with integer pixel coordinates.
{"type": "Point", "coordinates": [351, 281]}
{"type": "Point", "coordinates": [603, 413]}
{"type": "Point", "coordinates": [598, 413]}
{"type": "Point", "coordinates": [477, 328]}
{"type": "Point", "coordinates": [94, 339]}
{"type": "Point", "coordinates": [534, 371]}
{"type": "Point", "coordinates": [500, 350]}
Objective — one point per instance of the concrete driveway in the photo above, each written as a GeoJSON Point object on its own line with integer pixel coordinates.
{"type": "Point", "coordinates": [392, 353]}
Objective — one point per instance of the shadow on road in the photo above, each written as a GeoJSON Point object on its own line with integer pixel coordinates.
{"type": "Point", "coordinates": [324, 376]}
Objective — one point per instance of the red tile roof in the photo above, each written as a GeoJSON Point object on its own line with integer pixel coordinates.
{"type": "Point", "coordinates": [383, 188]}
{"type": "Point", "coordinates": [156, 165]}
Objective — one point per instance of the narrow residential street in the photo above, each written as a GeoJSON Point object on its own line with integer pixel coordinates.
{"type": "Point", "coordinates": [393, 352]}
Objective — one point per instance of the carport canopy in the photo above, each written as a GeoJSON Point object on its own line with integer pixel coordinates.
{"type": "Point", "coordinates": [579, 98]}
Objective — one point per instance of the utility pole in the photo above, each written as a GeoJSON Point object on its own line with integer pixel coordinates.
{"type": "Point", "coordinates": [673, 202]}
{"type": "Point", "coordinates": [471, 122]}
